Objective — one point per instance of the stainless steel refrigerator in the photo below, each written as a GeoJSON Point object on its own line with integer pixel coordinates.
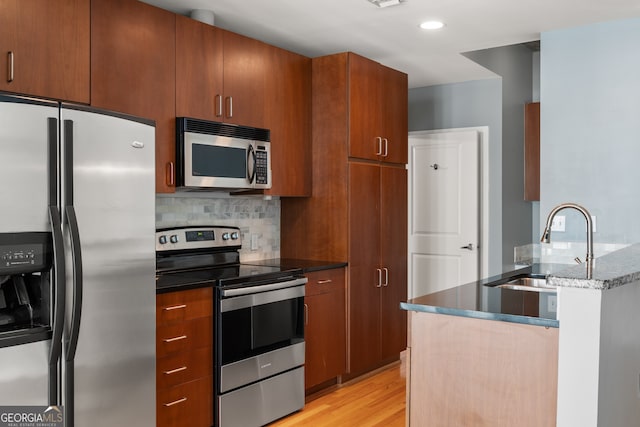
{"type": "Point", "coordinates": [77, 262]}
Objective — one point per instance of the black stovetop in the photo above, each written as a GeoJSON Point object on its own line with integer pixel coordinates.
{"type": "Point", "coordinates": [222, 276]}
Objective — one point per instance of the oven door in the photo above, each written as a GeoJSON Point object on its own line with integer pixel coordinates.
{"type": "Point", "coordinates": [261, 331]}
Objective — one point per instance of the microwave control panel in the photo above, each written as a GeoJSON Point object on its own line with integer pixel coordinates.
{"type": "Point", "coordinates": [262, 166]}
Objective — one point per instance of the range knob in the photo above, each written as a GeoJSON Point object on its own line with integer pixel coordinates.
{"type": "Point", "coordinates": [225, 236]}
{"type": "Point", "coordinates": [163, 240]}
{"type": "Point", "coordinates": [174, 238]}
{"type": "Point", "coordinates": [234, 235]}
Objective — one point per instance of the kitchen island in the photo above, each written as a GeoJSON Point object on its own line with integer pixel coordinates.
{"type": "Point", "coordinates": [482, 355]}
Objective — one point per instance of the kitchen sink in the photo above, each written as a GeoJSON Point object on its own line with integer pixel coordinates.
{"type": "Point", "coordinates": [535, 284]}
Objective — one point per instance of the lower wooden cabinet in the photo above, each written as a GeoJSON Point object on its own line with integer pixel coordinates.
{"type": "Point", "coordinates": [325, 326]}
{"type": "Point", "coordinates": [187, 404]}
{"type": "Point", "coordinates": [184, 358]}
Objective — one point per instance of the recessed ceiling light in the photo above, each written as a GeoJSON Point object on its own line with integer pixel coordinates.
{"type": "Point", "coordinates": [432, 25]}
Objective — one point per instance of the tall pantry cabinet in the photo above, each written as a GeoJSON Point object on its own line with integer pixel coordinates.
{"type": "Point", "coordinates": [358, 208]}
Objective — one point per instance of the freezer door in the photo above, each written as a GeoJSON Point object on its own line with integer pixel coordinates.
{"type": "Point", "coordinates": [24, 374]}
{"type": "Point", "coordinates": [28, 132]}
{"type": "Point", "coordinates": [25, 174]}
{"type": "Point", "coordinates": [112, 185]}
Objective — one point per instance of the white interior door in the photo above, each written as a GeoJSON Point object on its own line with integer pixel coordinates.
{"type": "Point", "coordinates": [444, 210]}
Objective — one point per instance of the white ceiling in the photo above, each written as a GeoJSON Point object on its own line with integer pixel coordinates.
{"type": "Point", "coordinates": [392, 36]}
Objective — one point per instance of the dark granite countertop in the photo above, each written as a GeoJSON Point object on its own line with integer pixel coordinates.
{"type": "Point", "coordinates": [491, 303]}
{"type": "Point", "coordinates": [305, 264]}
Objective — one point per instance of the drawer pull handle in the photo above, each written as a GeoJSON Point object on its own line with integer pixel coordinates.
{"type": "Point", "coordinates": [175, 307]}
{"type": "Point", "coordinates": [181, 337]}
{"type": "Point", "coordinates": [175, 402]}
{"type": "Point", "coordinates": [175, 371]}
{"type": "Point", "coordinates": [324, 281]}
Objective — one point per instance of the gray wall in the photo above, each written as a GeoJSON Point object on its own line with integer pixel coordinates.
{"type": "Point", "coordinates": [514, 65]}
{"type": "Point", "coordinates": [497, 103]}
{"type": "Point", "coordinates": [468, 104]}
{"type": "Point", "coordinates": [590, 127]}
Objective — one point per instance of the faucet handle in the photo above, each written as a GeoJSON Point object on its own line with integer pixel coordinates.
{"type": "Point", "coordinates": [577, 259]}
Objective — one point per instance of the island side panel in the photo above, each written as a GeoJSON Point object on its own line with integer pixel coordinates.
{"type": "Point", "coordinates": [477, 372]}
{"type": "Point", "coordinates": [579, 356]}
{"type": "Point", "coordinates": [599, 360]}
{"type": "Point", "coordinates": [619, 385]}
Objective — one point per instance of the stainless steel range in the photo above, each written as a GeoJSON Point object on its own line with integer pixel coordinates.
{"type": "Point", "coordinates": [259, 322]}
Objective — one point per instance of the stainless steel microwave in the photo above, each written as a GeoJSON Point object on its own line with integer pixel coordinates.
{"type": "Point", "coordinates": [213, 155]}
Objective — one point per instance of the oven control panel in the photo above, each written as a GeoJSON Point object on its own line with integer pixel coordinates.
{"type": "Point", "coordinates": [186, 238]}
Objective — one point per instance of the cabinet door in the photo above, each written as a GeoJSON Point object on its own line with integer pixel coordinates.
{"type": "Point", "coordinates": [364, 270]}
{"type": "Point", "coordinates": [45, 48]}
{"type": "Point", "coordinates": [133, 71]}
{"type": "Point", "coordinates": [325, 328]}
{"type": "Point", "coordinates": [198, 70]}
{"type": "Point", "coordinates": [532, 151]}
{"type": "Point", "coordinates": [288, 95]}
{"type": "Point", "coordinates": [365, 130]}
{"type": "Point", "coordinates": [395, 127]}
{"type": "Point", "coordinates": [393, 257]}
{"type": "Point", "coordinates": [245, 65]}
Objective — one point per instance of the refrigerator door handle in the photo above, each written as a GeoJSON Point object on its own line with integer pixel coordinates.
{"type": "Point", "coordinates": [76, 257]}
{"type": "Point", "coordinates": [76, 253]}
{"type": "Point", "coordinates": [59, 273]}
{"type": "Point", "coordinates": [76, 309]}
{"type": "Point", "coordinates": [59, 298]}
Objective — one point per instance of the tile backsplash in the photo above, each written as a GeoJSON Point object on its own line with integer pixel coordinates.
{"type": "Point", "coordinates": [254, 215]}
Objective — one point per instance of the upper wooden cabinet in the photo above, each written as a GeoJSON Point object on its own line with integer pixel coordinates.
{"type": "Point", "coordinates": [223, 76]}
{"type": "Point", "coordinates": [245, 73]}
{"type": "Point", "coordinates": [133, 71]}
{"type": "Point", "coordinates": [45, 48]}
{"type": "Point", "coordinates": [220, 75]}
{"type": "Point", "coordinates": [288, 116]}
{"type": "Point", "coordinates": [198, 70]}
{"type": "Point", "coordinates": [378, 125]}
{"type": "Point", "coordinates": [532, 151]}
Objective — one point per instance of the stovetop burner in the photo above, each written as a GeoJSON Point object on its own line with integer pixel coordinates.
{"type": "Point", "coordinates": [189, 257]}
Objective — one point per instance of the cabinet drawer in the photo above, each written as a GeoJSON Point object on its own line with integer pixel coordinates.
{"type": "Point", "coordinates": [184, 305]}
{"type": "Point", "coordinates": [320, 282]}
{"type": "Point", "coordinates": [184, 336]}
{"type": "Point", "coordinates": [189, 404]}
{"type": "Point", "coordinates": [183, 367]}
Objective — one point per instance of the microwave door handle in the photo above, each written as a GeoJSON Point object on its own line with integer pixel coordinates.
{"type": "Point", "coordinates": [251, 171]}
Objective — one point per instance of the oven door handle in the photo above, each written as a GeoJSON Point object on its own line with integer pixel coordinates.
{"type": "Point", "coordinates": [263, 288]}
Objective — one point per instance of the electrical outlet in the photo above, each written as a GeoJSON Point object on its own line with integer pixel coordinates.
{"type": "Point", "coordinates": [558, 223]}
{"type": "Point", "coordinates": [254, 242]}
{"type": "Point", "coordinates": [593, 222]}
{"type": "Point", "coordinates": [552, 303]}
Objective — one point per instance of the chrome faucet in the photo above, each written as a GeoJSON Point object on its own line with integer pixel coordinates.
{"type": "Point", "coordinates": [546, 235]}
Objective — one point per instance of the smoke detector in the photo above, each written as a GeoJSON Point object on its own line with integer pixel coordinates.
{"type": "Point", "coordinates": [386, 3]}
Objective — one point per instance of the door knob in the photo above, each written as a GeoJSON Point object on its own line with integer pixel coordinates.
{"type": "Point", "coordinates": [469, 247]}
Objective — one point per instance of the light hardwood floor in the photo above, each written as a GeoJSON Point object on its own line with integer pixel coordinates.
{"type": "Point", "coordinates": [377, 400]}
